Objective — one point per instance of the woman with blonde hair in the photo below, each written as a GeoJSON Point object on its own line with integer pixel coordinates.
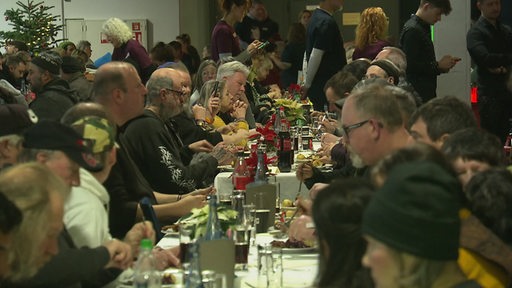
{"type": "Point", "coordinates": [40, 196]}
{"type": "Point", "coordinates": [126, 48]}
{"type": "Point", "coordinates": [371, 33]}
{"type": "Point", "coordinates": [219, 102]}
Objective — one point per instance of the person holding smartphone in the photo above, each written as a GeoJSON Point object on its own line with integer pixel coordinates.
{"type": "Point", "coordinates": [225, 42]}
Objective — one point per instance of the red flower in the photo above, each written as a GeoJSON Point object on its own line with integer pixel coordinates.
{"type": "Point", "coordinates": [267, 131]}
{"type": "Point", "coordinates": [252, 161]}
{"type": "Point", "coordinates": [294, 88]}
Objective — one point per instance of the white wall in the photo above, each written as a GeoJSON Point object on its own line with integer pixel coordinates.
{"type": "Point", "coordinates": [450, 39]}
{"type": "Point", "coordinates": [162, 15]}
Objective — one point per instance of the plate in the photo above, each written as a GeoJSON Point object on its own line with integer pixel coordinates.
{"type": "Point", "coordinates": [170, 232]}
{"type": "Point", "coordinates": [306, 250]}
{"type": "Point", "coordinates": [226, 168]}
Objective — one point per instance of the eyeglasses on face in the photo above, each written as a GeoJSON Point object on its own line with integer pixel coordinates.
{"type": "Point", "coordinates": [346, 129]}
{"type": "Point", "coordinates": [180, 93]}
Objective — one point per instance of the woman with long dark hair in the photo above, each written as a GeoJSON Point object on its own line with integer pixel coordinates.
{"type": "Point", "coordinates": [337, 213]}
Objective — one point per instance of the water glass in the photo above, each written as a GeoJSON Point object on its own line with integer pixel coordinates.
{"type": "Point", "coordinates": [224, 198]}
{"type": "Point", "coordinates": [211, 279]}
{"type": "Point", "coordinates": [270, 267]}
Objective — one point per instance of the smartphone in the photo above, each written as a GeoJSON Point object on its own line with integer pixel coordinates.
{"type": "Point", "coordinates": [149, 214]}
{"type": "Point", "coordinates": [215, 91]}
{"type": "Point", "coordinates": [263, 45]}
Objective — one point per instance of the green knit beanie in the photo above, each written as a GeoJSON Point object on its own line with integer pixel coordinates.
{"type": "Point", "coordinates": [416, 211]}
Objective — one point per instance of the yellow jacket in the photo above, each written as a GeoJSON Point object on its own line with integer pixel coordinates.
{"type": "Point", "coordinates": [483, 257]}
{"type": "Point", "coordinates": [241, 124]}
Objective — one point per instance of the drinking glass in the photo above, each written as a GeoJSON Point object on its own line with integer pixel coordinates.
{"type": "Point", "coordinates": [212, 279]}
{"type": "Point", "coordinates": [224, 198]}
{"type": "Point", "coordinates": [270, 267]}
{"type": "Point", "coordinates": [185, 242]}
{"type": "Point", "coordinates": [248, 219]}
{"type": "Point", "coordinates": [241, 236]}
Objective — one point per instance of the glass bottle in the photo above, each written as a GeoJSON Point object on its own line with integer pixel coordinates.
{"type": "Point", "coordinates": [241, 174]}
{"type": "Point", "coordinates": [508, 146]}
{"type": "Point", "coordinates": [261, 168]}
{"type": "Point", "coordinates": [194, 278]}
{"type": "Point", "coordinates": [213, 229]}
{"type": "Point", "coordinates": [145, 273]}
{"type": "Point", "coordinates": [285, 152]}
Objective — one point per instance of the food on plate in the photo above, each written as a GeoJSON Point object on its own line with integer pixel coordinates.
{"type": "Point", "coordinates": [173, 227]}
{"type": "Point", "coordinates": [317, 163]}
{"type": "Point", "coordinates": [288, 244]}
{"type": "Point", "coordinates": [168, 278]}
{"type": "Point", "coordinates": [301, 156]}
{"type": "Point", "coordinates": [287, 203]}
{"type": "Point", "coordinates": [289, 213]}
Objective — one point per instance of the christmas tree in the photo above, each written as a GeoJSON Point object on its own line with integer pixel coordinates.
{"type": "Point", "coordinates": [32, 24]}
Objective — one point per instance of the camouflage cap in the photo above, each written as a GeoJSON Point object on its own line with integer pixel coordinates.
{"type": "Point", "coordinates": [98, 130]}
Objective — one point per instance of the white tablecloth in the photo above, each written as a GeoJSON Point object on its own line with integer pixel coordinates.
{"type": "Point", "coordinates": [288, 185]}
{"type": "Point", "coordinates": [299, 270]}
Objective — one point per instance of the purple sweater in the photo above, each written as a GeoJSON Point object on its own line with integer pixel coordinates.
{"type": "Point", "coordinates": [134, 50]}
{"type": "Point", "coordinates": [370, 51]}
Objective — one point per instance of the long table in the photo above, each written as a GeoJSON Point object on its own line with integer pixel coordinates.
{"type": "Point", "coordinates": [299, 270]}
{"type": "Point", "coordinates": [288, 185]}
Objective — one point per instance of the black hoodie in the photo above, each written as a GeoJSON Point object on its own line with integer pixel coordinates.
{"type": "Point", "coordinates": [53, 100]}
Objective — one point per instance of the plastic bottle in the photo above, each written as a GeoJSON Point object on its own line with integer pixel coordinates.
{"type": "Point", "coordinates": [241, 175]}
{"type": "Point", "coordinates": [145, 273]}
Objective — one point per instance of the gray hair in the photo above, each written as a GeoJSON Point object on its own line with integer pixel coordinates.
{"type": "Point", "coordinates": [397, 57]}
{"type": "Point", "coordinates": [376, 101]}
{"type": "Point", "coordinates": [155, 84]}
{"type": "Point", "coordinates": [117, 29]}
{"type": "Point", "coordinates": [12, 139]}
{"type": "Point", "coordinates": [230, 68]}
{"type": "Point", "coordinates": [30, 154]}
{"type": "Point", "coordinates": [30, 187]}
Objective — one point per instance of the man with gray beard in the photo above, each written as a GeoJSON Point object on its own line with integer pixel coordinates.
{"type": "Point", "coordinates": [373, 125]}
{"type": "Point", "coordinates": [157, 149]}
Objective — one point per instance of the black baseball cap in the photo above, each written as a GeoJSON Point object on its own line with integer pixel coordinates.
{"type": "Point", "coordinates": [15, 118]}
{"type": "Point", "coordinates": [52, 135]}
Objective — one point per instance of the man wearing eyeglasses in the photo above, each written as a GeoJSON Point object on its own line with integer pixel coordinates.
{"type": "Point", "coordinates": [157, 148]}
{"type": "Point", "coordinates": [372, 124]}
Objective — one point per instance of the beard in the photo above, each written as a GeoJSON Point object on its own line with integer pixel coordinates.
{"type": "Point", "coordinates": [357, 161]}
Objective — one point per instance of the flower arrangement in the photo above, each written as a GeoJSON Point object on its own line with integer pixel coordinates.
{"type": "Point", "coordinates": [198, 219]}
{"type": "Point", "coordinates": [292, 109]}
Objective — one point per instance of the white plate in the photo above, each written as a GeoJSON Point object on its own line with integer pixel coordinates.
{"type": "Point", "coordinates": [226, 168]}
{"type": "Point", "coordinates": [170, 232]}
{"type": "Point", "coordinates": [306, 250]}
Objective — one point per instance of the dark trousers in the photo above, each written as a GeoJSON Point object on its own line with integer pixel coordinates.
{"type": "Point", "coordinates": [316, 93]}
{"type": "Point", "coordinates": [495, 108]}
